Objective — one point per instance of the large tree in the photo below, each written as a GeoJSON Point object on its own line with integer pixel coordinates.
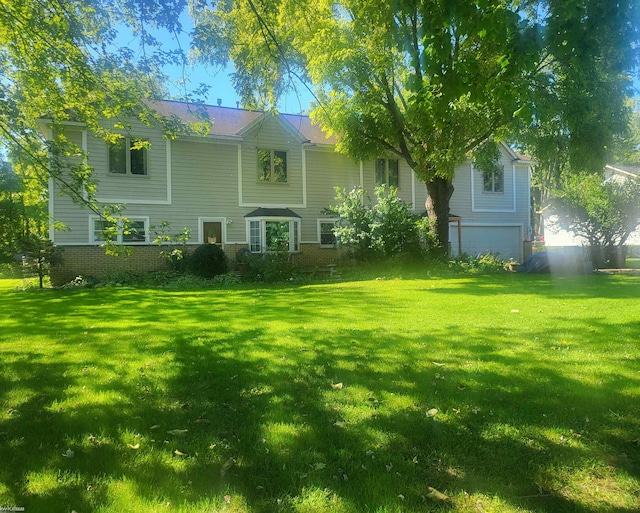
{"type": "Point", "coordinates": [62, 60]}
{"type": "Point", "coordinates": [426, 80]}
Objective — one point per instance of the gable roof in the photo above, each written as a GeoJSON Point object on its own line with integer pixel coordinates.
{"type": "Point", "coordinates": [628, 171]}
{"type": "Point", "coordinates": [230, 122]}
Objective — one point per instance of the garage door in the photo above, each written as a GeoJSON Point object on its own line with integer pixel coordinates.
{"type": "Point", "coordinates": [503, 240]}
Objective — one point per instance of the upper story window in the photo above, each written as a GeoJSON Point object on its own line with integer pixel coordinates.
{"type": "Point", "coordinates": [128, 157]}
{"type": "Point", "coordinates": [387, 172]}
{"type": "Point", "coordinates": [494, 181]}
{"type": "Point", "coordinates": [272, 166]}
{"type": "Point", "coordinates": [135, 232]}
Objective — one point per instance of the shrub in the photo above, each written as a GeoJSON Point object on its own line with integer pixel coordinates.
{"type": "Point", "coordinates": [207, 261]}
{"type": "Point", "coordinates": [481, 264]}
{"type": "Point", "coordinates": [270, 268]}
{"type": "Point", "coordinates": [381, 228]}
{"type": "Point", "coordinates": [125, 278]}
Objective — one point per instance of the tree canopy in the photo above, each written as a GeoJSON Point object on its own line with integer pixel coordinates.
{"type": "Point", "coordinates": [428, 81]}
{"type": "Point", "coordinates": [432, 81]}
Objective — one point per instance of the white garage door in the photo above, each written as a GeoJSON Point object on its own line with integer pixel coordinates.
{"type": "Point", "coordinates": [503, 240]}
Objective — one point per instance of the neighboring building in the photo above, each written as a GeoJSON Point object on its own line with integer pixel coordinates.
{"type": "Point", "coordinates": [557, 237]}
{"type": "Point", "coordinates": [257, 177]}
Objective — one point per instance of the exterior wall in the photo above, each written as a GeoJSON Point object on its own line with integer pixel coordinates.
{"type": "Point", "coordinates": [270, 134]}
{"type": "Point", "coordinates": [497, 222]}
{"type": "Point", "coordinates": [94, 262]}
{"type": "Point", "coordinates": [192, 180]}
{"type": "Point", "coordinates": [152, 188]}
{"type": "Point", "coordinates": [325, 171]}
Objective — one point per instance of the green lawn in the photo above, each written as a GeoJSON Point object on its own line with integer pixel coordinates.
{"type": "Point", "coordinates": [505, 393]}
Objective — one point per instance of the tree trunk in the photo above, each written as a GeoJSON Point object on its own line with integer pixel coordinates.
{"type": "Point", "coordinates": [440, 191]}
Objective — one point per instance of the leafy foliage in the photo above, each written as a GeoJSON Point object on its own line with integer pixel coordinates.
{"type": "Point", "coordinates": [62, 62]}
{"type": "Point", "coordinates": [207, 261]}
{"type": "Point", "coordinates": [431, 81]}
{"type": "Point", "coordinates": [174, 246]}
{"type": "Point", "coordinates": [602, 214]}
{"type": "Point", "coordinates": [39, 255]}
{"type": "Point", "coordinates": [381, 228]}
{"type": "Point", "coordinates": [272, 267]}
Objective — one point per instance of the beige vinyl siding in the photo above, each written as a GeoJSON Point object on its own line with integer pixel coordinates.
{"type": "Point", "coordinates": [271, 134]}
{"type": "Point", "coordinates": [405, 191]}
{"type": "Point", "coordinates": [460, 204]}
{"type": "Point", "coordinates": [205, 184]}
{"type": "Point", "coordinates": [494, 201]}
{"type": "Point", "coordinates": [72, 214]}
{"type": "Point", "coordinates": [130, 188]}
{"type": "Point", "coordinates": [325, 171]}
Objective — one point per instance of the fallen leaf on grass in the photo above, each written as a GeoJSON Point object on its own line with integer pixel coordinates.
{"type": "Point", "coordinates": [203, 421]}
{"type": "Point", "coordinates": [337, 386]}
{"type": "Point", "coordinates": [137, 446]}
{"type": "Point", "coordinates": [178, 453]}
{"type": "Point", "coordinates": [432, 412]}
{"type": "Point", "coordinates": [436, 495]}
{"type": "Point", "coordinates": [438, 364]}
{"type": "Point", "coordinates": [178, 432]}
{"type": "Point", "coordinates": [68, 453]}
{"type": "Point", "coordinates": [228, 464]}
{"type": "Point", "coordinates": [155, 426]}
{"type": "Point", "coordinates": [227, 499]}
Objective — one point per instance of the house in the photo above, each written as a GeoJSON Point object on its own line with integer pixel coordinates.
{"type": "Point", "coordinates": [257, 174]}
{"type": "Point", "coordinates": [553, 236]}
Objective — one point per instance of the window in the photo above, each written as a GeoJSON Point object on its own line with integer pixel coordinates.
{"type": "Point", "coordinates": [387, 172]}
{"type": "Point", "coordinates": [327, 234]}
{"type": "Point", "coordinates": [271, 235]}
{"type": "Point", "coordinates": [494, 181]}
{"type": "Point", "coordinates": [212, 232]}
{"type": "Point", "coordinates": [272, 166]}
{"type": "Point", "coordinates": [101, 230]}
{"type": "Point", "coordinates": [127, 157]}
{"type": "Point", "coordinates": [134, 233]}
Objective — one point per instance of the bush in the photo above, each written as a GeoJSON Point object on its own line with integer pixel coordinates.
{"type": "Point", "coordinates": [487, 263]}
{"type": "Point", "coordinates": [383, 227]}
{"type": "Point", "coordinates": [125, 279]}
{"type": "Point", "coordinates": [270, 268]}
{"type": "Point", "coordinates": [207, 261]}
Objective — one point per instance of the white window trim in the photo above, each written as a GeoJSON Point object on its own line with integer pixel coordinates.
{"type": "Point", "coordinates": [493, 183]}
{"type": "Point", "coordinates": [127, 141]}
{"type": "Point", "coordinates": [272, 180]}
{"type": "Point", "coordinates": [320, 223]}
{"type": "Point", "coordinates": [221, 220]}
{"type": "Point", "coordinates": [119, 239]}
{"type": "Point", "coordinates": [263, 232]}
{"type": "Point", "coordinates": [509, 209]}
{"type": "Point", "coordinates": [386, 173]}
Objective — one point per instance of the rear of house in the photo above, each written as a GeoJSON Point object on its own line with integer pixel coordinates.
{"type": "Point", "coordinates": [255, 179]}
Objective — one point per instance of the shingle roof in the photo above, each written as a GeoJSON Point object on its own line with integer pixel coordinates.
{"type": "Point", "coordinates": [230, 122]}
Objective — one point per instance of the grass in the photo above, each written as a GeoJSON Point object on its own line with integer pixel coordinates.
{"type": "Point", "coordinates": [505, 393]}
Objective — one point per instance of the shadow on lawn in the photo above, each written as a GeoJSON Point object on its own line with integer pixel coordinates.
{"type": "Point", "coordinates": [271, 411]}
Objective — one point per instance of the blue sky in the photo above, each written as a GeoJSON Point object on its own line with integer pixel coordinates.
{"type": "Point", "coordinates": [218, 78]}
{"type": "Point", "coordinates": [189, 78]}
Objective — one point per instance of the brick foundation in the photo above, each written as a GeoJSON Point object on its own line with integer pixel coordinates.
{"type": "Point", "coordinates": [93, 261]}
